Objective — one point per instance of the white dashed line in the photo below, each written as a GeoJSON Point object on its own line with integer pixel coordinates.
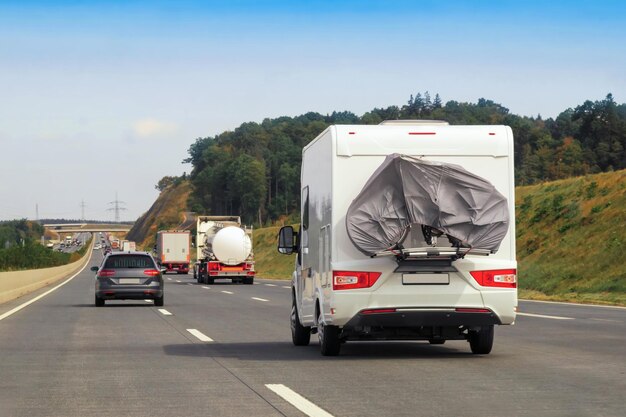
{"type": "Point", "coordinates": [545, 317]}
{"type": "Point", "coordinates": [201, 336]}
{"type": "Point", "coordinates": [177, 280]}
{"type": "Point", "coordinates": [189, 283]}
{"type": "Point", "coordinates": [298, 401]}
{"type": "Point", "coordinates": [169, 279]}
{"type": "Point", "coordinates": [572, 304]}
{"type": "Point", "coordinates": [207, 288]}
{"type": "Point", "coordinates": [164, 312]}
{"type": "Point", "coordinates": [259, 299]}
{"type": "Point", "coordinates": [285, 286]}
{"type": "Point", "coordinates": [148, 301]}
{"type": "Point", "coordinates": [270, 285]}
{"type": "Point", "coordinates": [227, 292]}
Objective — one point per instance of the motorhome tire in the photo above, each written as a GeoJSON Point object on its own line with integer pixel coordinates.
{"type": "Point", "coordinates": [300, 335]}
{"type": "Point", "coordinates": [481, 341]}
{"type": "Point", "coordinates": [330, 344]}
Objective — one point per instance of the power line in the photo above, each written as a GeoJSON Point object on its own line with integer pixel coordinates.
{"type": "Point", "coordinates": [116, 208]}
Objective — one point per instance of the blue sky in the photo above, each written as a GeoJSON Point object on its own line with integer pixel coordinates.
{"type": "Point", "coordinates": [106, 96]}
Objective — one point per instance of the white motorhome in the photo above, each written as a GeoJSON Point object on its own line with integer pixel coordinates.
{"type": "Point", "coordinates": [407, 233]}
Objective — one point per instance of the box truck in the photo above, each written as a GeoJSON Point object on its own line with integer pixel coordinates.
{"type": "Point", "coordinates": [407, 233]}
{"type": "Point", "coordinates": [224, 248]}
{"type": "Point", "coordinates": [173, 251]}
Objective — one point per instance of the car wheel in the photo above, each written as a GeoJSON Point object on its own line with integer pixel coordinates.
{"type": "Point", "coordinates": [300, 335]}
{"type": "Point", "coordinates": [159, 301]}
{"type": "Point", "coordinates": [330, 344]}
{"type": "Point", "coordinates": [99, 302]}
{"type": "Point", "coordinates": [481, 341]}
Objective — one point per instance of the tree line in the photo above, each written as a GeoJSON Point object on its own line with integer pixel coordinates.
{"type": "Point", "coordinates": [254, 170]}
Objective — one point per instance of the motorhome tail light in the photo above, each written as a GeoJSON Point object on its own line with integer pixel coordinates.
{"type": "Point", "coordinates": [106, 273]}
{"type": "Point", "coordinates": [506, 278]}
{"type": "Point", "coordinates": [379, 311]}
{"type": "Point", "coordinates": [348, 280]}
{"type": "Point", "coordinates": [151, 272]}
{"type": "Point", "coordinates": [472, 310]}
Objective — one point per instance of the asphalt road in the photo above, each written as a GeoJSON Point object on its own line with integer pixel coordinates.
{"type": "Point", "coordinates": [61, 356]}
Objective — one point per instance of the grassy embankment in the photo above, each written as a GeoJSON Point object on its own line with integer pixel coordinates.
{"type": "Point", "coordinates": [571, 241]}
{"type": "Point", "coordinates": [166, 213]}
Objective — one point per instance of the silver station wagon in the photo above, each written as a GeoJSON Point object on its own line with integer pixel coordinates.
{"type": "Point", "coordinates": [128, 276]}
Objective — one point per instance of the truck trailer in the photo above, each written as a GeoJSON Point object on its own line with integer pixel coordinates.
{"type": "Point", "coordinates": [173, 251]}
{"type": "Point", "coordinates": [224, 250]}
{"type": "Point", "coordinates": [407, 232]}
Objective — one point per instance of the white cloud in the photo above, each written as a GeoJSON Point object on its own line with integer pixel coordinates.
{"type": "Point", "coordinates": [152, 128]}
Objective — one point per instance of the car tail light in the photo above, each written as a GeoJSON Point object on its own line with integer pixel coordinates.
{"type": "Point", "coordinates": [348, 280]}
{"type": "Point", "coordinates": [379, 311]}
{"type": "Point", "coordinates": [106, 273]}
{"type": "Point", "coordinates": [151, 272]}
{"type": "Point", "coordinates": [506, 278]}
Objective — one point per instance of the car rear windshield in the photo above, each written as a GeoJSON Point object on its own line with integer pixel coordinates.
{"type": "Point", "coordinates": [128, 261]}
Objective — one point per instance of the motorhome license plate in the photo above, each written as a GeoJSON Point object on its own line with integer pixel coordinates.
{"type": "Point", "coordinates": [129, 280]}
{"type": "Point", "coordinates": [425, 279]}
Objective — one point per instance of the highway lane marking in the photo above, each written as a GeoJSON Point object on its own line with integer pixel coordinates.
{"type": "Point", "coordinates": [206, 288]}
{"type": "Point", "coordinates": [572, 304]}
{"type": "Point", "coordinates": [148, 301]}
{"type": "Point", "coordinates": [189, 283]}
{"type": "Point", "coordinates": [177, 280]}
{"type": "Point", "coordinates": [285, 286]}
{"type": "Point", "coordinates": [545, 317]}
{"type": "Point", "coordinates": [270, 285]}
{"type": "Point", "coordinates": [164, 312]}
{"type": "Point", "coordinates": [607, 320]}
{"type": "Point", "coordinates": [169, 279]}
{"type": "Point", "coordinates": [298, 401]}
{"type": "Point", "coordinates": [201, 336]}
{"type": "Point", "coordinates": [40, 296]}
{"type": "Point", "coordinates": [227, 292]}
{"type": "Point", "coordinates": [259, 299]}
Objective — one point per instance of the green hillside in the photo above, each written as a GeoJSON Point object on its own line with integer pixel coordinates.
{"type": "Point", "coordinates": [270, 263]}
{"type": "Point", "coordinates": [167, 212]}
{"type": "Point", "coordinates": [571, 239]}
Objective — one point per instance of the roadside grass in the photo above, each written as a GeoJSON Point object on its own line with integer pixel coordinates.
{"type": "Point", "coordinates": [268, 262]}
{"type": "Point", "coordinates": [571, 239]}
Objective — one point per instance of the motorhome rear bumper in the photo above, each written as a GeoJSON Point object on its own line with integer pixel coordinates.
{"type": "Point", "coordinates": [423, 318]}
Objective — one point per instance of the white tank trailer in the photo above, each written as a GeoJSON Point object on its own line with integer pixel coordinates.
{"type": "Point", "coordinates": [224, 250]}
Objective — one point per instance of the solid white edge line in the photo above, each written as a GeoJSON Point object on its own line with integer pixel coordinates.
{"type": "Point", "coordinates": [227, 292]}
{"type": "Point", "coordinates": [164, 312]}
{"type": "Point", "coordinates": [40, 296]}
{"type": "Point", "coordinates": [259, 299]}
{"type": "Point", "coordinates": [572, 304]}
{"type": "Point", "coordinates": [545, 317]}
{"type": "Point", "coordinates": [298, 401]}
{"type": "Point", "coordinates": [199, 335]}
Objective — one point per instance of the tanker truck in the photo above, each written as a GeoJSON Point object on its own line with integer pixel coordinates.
{"type": "Point", "coordinates": [224, 250]}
